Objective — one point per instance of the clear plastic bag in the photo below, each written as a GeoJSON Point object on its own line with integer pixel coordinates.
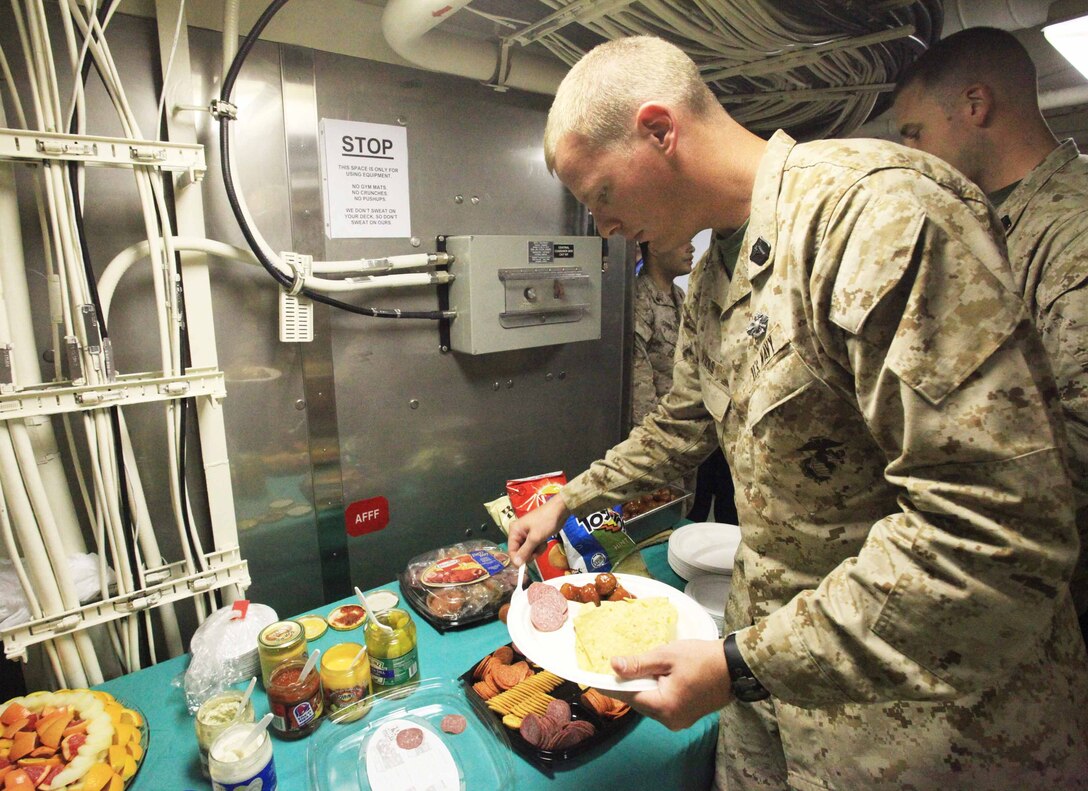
{"type": "Point", "coordinates": [224, 651]}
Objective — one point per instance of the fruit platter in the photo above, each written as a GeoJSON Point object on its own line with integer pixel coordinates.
{"type": "Point", "coordinates": [73, 739]}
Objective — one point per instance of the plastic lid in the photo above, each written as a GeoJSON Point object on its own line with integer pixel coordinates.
{"type": "Point", "coordinates": [280, 633]}
{"type": "Point", "coordinates": [401, 722]}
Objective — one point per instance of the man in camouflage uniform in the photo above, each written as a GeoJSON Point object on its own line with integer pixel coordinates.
{"type": "Point", "coordinates": [972, 100]}
{"type": "Point", "coordinates": [657, 321]}
{"type": "Point", "coordinates": [907, 534]}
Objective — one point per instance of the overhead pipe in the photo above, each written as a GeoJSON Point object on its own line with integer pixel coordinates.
{"type": "Point", "coordinates": [1004, 14]}
{"type": "Point", "coordinates": [409, 28]}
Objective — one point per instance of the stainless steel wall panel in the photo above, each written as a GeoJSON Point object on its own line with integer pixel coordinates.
{"type": "Point", "coordinates": [439, 434]}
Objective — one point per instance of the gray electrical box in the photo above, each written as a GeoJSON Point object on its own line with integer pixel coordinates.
{"type": "Point", "coordinates": [516, 292]}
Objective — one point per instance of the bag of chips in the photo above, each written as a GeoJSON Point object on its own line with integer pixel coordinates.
{"type": "Point", "coordinates": [529, 493]}
{"type": "Point", "coordinates": [598, 542]}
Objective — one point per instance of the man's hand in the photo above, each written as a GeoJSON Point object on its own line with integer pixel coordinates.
{"type": "Point", "coordinates": [692, 680]}
{"type": "Point", "coordinates": [536, 527]}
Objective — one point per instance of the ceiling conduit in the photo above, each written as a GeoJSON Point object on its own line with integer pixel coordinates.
{"type": "Point", "coordinates": [408, 26]}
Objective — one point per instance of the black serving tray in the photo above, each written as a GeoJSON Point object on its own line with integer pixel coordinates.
{"type": "Point", "coordinates": [606, 729]}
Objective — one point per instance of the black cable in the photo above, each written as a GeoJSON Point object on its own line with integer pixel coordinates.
{"type": "Point", "coordinates": [281, 277]}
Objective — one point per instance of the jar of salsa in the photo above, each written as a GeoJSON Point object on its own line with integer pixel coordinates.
{"type": "Point", "coordinates": [394, 657]}
{"type": "Point", "coordinates": [279, 642]}
{"type": "Point", "coordinates": [296, 705]}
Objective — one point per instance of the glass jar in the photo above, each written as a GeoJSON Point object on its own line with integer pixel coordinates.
{"type": "Point", "coordinates": [214, 716]}
{"type": "Point", "coordinates": [394, 657]}
{"type": "Point", "coordinates": [278, 642]}
{"type": "Point", "coordinates": [237, 765]}
{"type": "Point", "coordinates": [296, 705]}
{"type": "Point", "coordinates": [346, 681]}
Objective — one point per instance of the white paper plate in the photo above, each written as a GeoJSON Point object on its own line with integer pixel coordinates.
{"type": "Point", "coordinates": [706, 546]}
{"type": "Point", "coordinates": [555, 651]}
{"type": "Point", "coordinates": [711, 591]}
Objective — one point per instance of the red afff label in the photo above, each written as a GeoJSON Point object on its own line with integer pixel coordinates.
{"type": "Point", "coordinates": [367, 516]}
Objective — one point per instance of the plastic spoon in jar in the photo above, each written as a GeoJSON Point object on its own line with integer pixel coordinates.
{"type": "Point", "coordinates": [309, 666]}
{"type": "Point", "coordinates": [245, 699]}
{"type": "Point", "coordinates": [358, 656]}
{"type": "Point", "coordinates": [369, 613]}
{"type": "Point", "coordinates": [258, 729]}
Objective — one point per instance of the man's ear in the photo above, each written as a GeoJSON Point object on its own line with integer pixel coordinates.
{"type": "Point", "coordinates": [656, 121]}
{"type": "Point", "coordinates": [978, 104]}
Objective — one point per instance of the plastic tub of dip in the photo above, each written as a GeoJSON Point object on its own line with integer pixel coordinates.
{"type": "Point", "coordinates": [238, 764]}
{"type": "Point", "coordinates": [214, 716]}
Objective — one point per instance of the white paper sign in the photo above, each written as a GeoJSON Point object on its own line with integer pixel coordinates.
{"type": "Point", "coordinates": [365, 180]}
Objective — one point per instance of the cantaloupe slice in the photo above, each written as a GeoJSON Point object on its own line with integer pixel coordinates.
{"type": "Point", "coordinates": [51, 729]}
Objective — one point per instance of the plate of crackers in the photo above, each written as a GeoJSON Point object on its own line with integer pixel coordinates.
{"type": "Point", "coordinates": [548, 720]}
{"type": "Point", "coordinates": [575, 635]}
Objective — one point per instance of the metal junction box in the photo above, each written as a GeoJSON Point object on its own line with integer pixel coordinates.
{"type": "Point", "coordinates": [516, 292]}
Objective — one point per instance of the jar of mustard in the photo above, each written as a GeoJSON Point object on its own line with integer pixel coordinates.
{"type": "Point", "coordinates": [277, 643]}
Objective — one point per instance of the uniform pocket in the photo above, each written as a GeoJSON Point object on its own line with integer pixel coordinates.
{"type": "Point", "coordinates": [715, 397]}
{"type": "Point", "coordinates": [781, 380]}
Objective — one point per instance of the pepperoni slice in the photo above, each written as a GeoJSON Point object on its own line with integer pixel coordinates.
{"type": "Point", "coordinates": [409, 738]}
{"type": "Point", "coordinates": [454, 723]}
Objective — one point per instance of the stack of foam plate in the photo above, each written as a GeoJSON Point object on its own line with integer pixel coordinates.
{"type": "Point", "coordinates": [703, 548]}
{"type": "Point", "coordinates": [711, 592]}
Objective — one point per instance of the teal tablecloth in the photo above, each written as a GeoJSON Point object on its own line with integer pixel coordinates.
{"type": "Point", "coordinates": [648, 756]}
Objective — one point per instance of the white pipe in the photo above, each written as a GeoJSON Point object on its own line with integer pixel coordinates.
{"type": "Point", "coordinates": [408, 26]}
{"type": "Point", "coordinates": [1064, 97]}
{"type": "Point", "coordinates": [16, 297]}
{"type": "Point", "coordinates": [1004, 14]}
{"type": "Point", "coordinates": [230, 33]}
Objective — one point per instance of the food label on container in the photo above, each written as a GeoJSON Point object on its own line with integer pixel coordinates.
{"type": "Point", "coordinates": [475, 566]}
{"type": "Point", "coordinates": [395, 671]}
{"type": "Point", "coordinates": [264, 780]}
{"type": "Point", "coordinates": [402, 754]}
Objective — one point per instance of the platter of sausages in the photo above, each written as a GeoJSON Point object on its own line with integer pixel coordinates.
{"type": "Point", "coordinates": [575, 635]}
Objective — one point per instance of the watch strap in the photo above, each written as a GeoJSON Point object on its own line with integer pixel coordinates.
{"type": "Point", "coordinates": [746, 686]}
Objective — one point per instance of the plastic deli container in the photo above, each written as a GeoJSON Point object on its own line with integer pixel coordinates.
{"type": "Point", "coordinates": [461, 584]}
{"type": "Point", "coordinates": [428, 735]}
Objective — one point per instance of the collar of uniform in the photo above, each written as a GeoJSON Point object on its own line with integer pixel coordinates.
{"type": "Point", "coordinates": [761, 241]}
{"type": "Point", "coordinates": [1014, 205]}
{"type": "Point", "coordinates": [668, 299]}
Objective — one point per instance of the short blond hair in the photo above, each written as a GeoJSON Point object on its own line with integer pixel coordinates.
{"type": "Point", "coordinates": [601, 93]}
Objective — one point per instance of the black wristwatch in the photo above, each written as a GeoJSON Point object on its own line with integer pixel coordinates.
{"type": "Point", "coordinates": [746, 686]}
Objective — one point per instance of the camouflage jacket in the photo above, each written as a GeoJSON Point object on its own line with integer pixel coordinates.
{"type": "Point", "coordinates": [894, 435]}
{"type": "Point", "coordinates": [657, 324]}
{"type": "Point", "coordinates": [1047, 221]}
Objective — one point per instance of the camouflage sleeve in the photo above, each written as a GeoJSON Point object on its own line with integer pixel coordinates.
{"type": "Point", "coordinates": [676, 437]}
{"type": "Point", "coordinates": [1062, 321]}
{"type": "Point", "coordinates": [643, 390]}
{"type": "Point", "coordinates": [947, 592]}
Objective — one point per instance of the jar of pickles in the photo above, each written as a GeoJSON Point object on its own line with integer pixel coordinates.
{"type": "Point", "coordinates": [279, 642]}
{"type": "Point", "coordinates": [214, 716]}
{"type": "Point", "coordinates": [296, 703]}
{"type": "Point", "coordinates": [345, 675]}
{"type": "Point", "coordinates": [394, 656]}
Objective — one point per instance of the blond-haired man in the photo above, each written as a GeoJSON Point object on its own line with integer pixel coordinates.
{"type": "Point", "coordinates": [972, 100]}
{"type": "Point", "coordinates": [899, 613]}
